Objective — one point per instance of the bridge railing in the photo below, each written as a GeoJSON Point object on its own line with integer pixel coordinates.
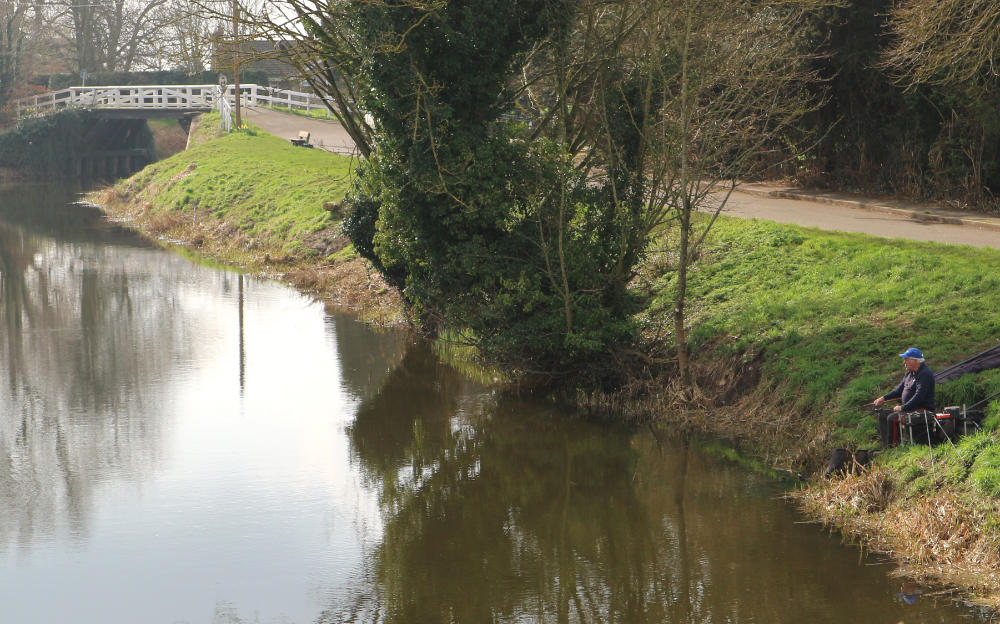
{"type": "Point", "coordinates": [260, 95]}
{"type": "Point", "coordinates": [158, 97]}
{"type": "Point", "coordinates": [161, 97]}
{"type": "Point", "coordinates": [225, 110]}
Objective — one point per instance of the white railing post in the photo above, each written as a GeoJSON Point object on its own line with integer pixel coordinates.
{"type": "Point", "coordinates": [225, 109]}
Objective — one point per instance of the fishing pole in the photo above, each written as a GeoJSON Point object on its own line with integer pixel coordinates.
{"type": "Point", "coordinates": [986, 400]}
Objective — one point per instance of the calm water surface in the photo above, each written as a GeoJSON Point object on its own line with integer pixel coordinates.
{"type": "Point", "coordinates": [181, 444]}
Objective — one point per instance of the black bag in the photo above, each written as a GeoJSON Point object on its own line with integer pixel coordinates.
{"type": "Point", "coordinates": [843, 460]}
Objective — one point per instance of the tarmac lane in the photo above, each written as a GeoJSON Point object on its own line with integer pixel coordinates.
{"type": "Point", "coordinates": [898, 220]}
{"type": "Point", "coordinates": [325, 134]}
{"type": "Point", "coordinates": [827, 211]}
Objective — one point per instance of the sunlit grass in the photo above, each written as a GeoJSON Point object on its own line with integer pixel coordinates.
{"type": "Point", "coordinates": [314, 113]}
{"type": "Point", "coordinates": [828, 312]}
{"type": "Point", "coordinates": [271, 191]}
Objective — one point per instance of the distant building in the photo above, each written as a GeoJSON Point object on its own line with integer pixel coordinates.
{"type": "Point", "coordinates": [270, 57]}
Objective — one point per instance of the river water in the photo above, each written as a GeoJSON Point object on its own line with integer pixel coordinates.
{"type": "Point", "coordinates": [183, 444]}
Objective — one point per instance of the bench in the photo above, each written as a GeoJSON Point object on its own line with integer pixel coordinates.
{"type": "Point", "coordinates": [302, 140]}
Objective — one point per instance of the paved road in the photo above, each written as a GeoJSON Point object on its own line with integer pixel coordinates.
{"type": "Point", "coordinates": [827, 211]}
{"type": "Point", "coordinates": [324, 134]}
{"type": "Point", "coordinates": [891, 219]}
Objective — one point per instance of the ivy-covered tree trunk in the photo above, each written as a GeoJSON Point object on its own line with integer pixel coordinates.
{"type": "Point", "coordinates": [525, 230]}
{"type": "Point", "coordinates": [481, 228]}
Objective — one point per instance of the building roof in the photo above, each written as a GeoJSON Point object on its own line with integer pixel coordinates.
{"type": "Point", "coordinates": [270, 57]}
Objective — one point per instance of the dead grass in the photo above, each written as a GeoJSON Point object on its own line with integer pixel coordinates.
{"type": "Point", "coordinates": [944, 538]}
{"type": "Point", "coordinates": [347, 283]}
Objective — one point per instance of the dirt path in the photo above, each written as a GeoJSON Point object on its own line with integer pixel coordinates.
{"type": "Point", "coordinates": [826, 211]}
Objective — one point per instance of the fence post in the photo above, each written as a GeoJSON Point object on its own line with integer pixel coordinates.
{"type": "Point", "coordinates": [225, 110]}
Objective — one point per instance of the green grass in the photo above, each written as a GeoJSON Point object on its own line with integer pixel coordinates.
{"type": "Point", "coordinates": [207, 128]}
{"type": "Point", "coordinates": [315, 113]}
{"type": "Point", "coordinates": [827, 312]}
{"type": "Point", "coordinates": [273, 191]}
{"type": "Point", "coordinates": [971, 464]}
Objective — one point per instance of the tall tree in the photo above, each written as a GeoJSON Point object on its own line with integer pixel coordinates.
{"type": "Point", "coordinates": [111, 35]}
{"type": "Point", "coordinates": [526, 154]}
{"type": "Point", "coordinates": [13, 15]}
{"type": "Point", "coordinates": [188, 37]}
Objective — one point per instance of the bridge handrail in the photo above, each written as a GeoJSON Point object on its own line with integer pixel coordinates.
{"type": "Point", "coordinates": [225, 110]}
{"type": "Point", "coordinates": [293, 100]}
{"type": "Point", "coordinates": [182, 97]}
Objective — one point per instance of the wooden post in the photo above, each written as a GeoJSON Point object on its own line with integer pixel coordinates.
{"type": "Point", "coordinates": [236, 62]}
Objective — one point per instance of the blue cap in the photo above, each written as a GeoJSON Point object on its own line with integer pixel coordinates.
{"type": "Point", "coordinates": [912, 352]}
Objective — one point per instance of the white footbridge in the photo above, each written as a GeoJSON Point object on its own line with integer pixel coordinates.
{"type": "Point", "coordinates": [164, 100]}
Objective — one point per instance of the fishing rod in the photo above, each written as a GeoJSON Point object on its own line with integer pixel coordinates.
{"type": "Point", "coordinates": [984, 401]}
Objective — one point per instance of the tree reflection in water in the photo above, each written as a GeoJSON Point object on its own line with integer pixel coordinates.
{"type": "Point", "coordinates": [491, 516]}
{"type": "Point", "coordinates": [502, 510]}
{"type": "Point", "coordinates": [84, 323]}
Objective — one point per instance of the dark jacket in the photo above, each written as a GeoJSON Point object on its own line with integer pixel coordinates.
{"type": "Point", "coordinates": [916, 391]}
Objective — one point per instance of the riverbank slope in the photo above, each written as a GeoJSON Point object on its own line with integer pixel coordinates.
{"type": "Point", "coordinates": [253, 201]}
{"type": "Point", "coordinates": [794, 330]}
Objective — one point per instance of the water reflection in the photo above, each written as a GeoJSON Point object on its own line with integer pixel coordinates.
{"type": "Point", "coordinates": [498, 510]}
{"type": "Point", "coordinates": [206, 447]}
{"type": "Point", "coordinates": [367, 355]}
{"type": "Point", "coordinates": [87, 327]}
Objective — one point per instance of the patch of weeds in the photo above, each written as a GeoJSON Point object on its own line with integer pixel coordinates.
{"type": "Point", "coordinates": [347, 253]}
{"type": "Point", "coordinates": [985, 474]}
{"type": "Point", "coordinates": [992, 420]}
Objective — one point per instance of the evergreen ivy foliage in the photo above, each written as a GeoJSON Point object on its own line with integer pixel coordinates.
{"type": "Point", "coordinates": [479, 226]}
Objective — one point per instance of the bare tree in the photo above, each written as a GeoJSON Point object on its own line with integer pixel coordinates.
{"type": "Point", "coordinates": [110, 35]}
{"type": "Point", "coordinates": [13, 15]}
{"type": "Point", "coordinates": [672, 102]}
{"type": "Point", "coordinates": [325, 50]}
{"type": "Point", "coordinates": [946, 41]}
{"type": "Point", "coordinates": [189, 35]}
{"type": "Point", "coordinates": [736, 80]}
{"type": "Point", "coordinates": [185, 41]}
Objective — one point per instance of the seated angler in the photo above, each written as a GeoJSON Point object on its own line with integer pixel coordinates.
{"type": "Point", "coordinates": [915, 392]}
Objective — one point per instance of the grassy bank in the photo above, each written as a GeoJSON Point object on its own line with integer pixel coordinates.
{"type": "Point", "coordinates": [819, 317]}
{"type": "Point", "coordinates": [794, 331]}
{"type": "Point", "coordinates": [807, 325]}
{"type": "Point", "coordinates": [254, 201]}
